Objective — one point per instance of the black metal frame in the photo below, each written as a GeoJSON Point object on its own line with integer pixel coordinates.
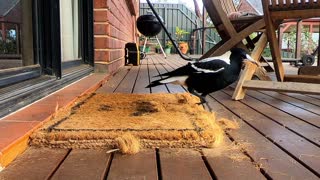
{"type": "Point", "coordinates": [88, 39]}
{"type": "Point", "coordinates": [47, 32]}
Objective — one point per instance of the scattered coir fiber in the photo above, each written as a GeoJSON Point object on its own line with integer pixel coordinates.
{"type": "Point", "coordinates": [152, 120]}
{"type": "Point", "coordinates": [228, 124]}
{"type": "Point", "coordinates": [128, 144]}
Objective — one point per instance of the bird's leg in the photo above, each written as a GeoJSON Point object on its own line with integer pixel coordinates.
{"type": "Point", "coordinates": [202, 97]}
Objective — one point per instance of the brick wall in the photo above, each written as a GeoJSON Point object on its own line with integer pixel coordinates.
{"type": "Point", "coordinates": [114, 26]}
{"type": "Point", "coordinates": [245, 6]}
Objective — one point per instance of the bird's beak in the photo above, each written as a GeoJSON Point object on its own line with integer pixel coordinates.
{"type": "Point", "coordinates": [251, 60]}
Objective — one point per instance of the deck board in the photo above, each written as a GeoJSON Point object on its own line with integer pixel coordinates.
{"type": "Point", "coordinates": [275, 162]}
{"type": "Point", "coordinates": [115, 81]}
{"type": "Point", "coordinates": [127, 84]}
{"type": "Point", "coordinates": [140, 166]}
{"type": "Point", "coordinates": [295, 111]}
{"type": "Point", "coordinates": [142, 80]}
{"type": "Point", "coordinates": [293, 144]}
{"type": "Point", "coordinates": [231, 159]}
{"type": "Point", "coordinates": [307, 98]}
{"type": "Point", "coordinates": [292, 123]}
{"type": "Point", "coordinates": [35, 164]}
{"type": "Point", "coordinates": [183, 164]}
{"type": "Point", "coordinates": [154, 72]}
{"type": "Point", "coordinates": [296, 102]}
{"type": "Point", "coordinates": [83, 164]}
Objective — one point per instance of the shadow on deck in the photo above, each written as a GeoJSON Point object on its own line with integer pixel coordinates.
{"type": "Point", "coordinates": [279, 133]}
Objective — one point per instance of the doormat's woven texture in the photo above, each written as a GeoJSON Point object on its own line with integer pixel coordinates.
{"type": "Point", "coordinates": [156, 120]}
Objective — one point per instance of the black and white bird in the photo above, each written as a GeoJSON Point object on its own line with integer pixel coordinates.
{"type": "Point", "coordinates": [207, 75]}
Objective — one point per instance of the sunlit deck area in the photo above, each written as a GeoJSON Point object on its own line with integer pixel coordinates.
{"type": "Point", "coordinates": [278, 138]}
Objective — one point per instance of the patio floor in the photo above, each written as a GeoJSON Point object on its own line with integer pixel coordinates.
{"type": "Point", "coordinates": [280, 132]}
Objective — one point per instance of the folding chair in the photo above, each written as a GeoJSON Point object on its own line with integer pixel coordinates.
{"type": "Point", "coordinates": [233, 32]}
{"type": "Point", "coordinates": [275, 11]}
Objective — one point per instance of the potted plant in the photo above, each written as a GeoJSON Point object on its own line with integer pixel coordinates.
{"type": "Point", "coordinates": [167, 48]}
{"type": "Point", "coordinates": [157, 48]}
{"type": "Point", "coordinates": [183, 46]}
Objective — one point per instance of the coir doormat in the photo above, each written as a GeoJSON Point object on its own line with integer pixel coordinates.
{"type": "Point", "coordinates": [155, 120]}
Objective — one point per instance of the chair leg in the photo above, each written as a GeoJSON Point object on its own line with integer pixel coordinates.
{"type": "Point", "coordinates": [260, 72]}
{"type": "Point", "coordinates": [247, 74]}
{"type": "Point", "coordinates": [251, 69]}
{"type": "Point", "coordinates": [275, 51]}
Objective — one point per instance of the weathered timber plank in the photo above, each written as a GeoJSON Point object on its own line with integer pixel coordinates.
{"type": "Point", "coordinates": [35, 164]}
{"type": "Point", "coordinates": [127, 84]}
{"type": "Point", "coordinates": [275, 162]}
{"type": "Point", "coordinates": [296, 102]}
{"type": "Point", "coordinates": [183, 164]}
{"type": "Point", "coordinates": [114, 82]}
{"type": "Point", "coordinates": [303, 151]}
{"type": "Point", "coordinates": [290, 122]}
{"type": "Point", "coordinates": [292, 110]}
{"type": "Point", "coordinates": [83, 164]}
{"type": "Point", "coordinates": [142, 80]}
{"type": "Point", "coordinates": [221, 161]}
{"type": "Point", "coordinates": [139, 166]}
{"type": "Point", "coordinates": [154, 72]}
{"type": "Point", "coordinates": [312, 99]}
{"type": "Point", "coordinates": [315, 96]}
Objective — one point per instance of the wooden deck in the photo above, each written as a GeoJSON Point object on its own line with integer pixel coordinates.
{"type": "Point", "coordinates": [280, 130]}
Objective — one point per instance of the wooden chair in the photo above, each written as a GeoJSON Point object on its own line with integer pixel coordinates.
{"type": "Point", "coordinates": [233, 32]}
{"type": "Point", "coordinates": [275, 11]}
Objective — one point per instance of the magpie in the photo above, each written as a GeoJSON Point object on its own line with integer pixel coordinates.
{"type": "Point", "coordinates": [207, 75]}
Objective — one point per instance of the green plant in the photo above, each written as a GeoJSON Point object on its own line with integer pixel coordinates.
{"type": "Point", "coordinates": [307, 46]}
{"type": "Point", "coordinates": [168, 45]}
{"type": "Point", "coordinates": [180, 33]}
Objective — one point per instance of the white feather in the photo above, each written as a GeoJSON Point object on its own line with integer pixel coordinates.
{"type": "Point", "coordinates": [180, 80]}
{"type": "Point", "coordinates": [200, 70]}
{"type": "Point", "coordinates": [225, 57]}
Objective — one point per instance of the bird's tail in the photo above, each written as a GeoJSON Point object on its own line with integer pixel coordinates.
{"type": "Point", "coordinates": [154, 83]}
{"type": "Point", "coordinates": [164, 74]}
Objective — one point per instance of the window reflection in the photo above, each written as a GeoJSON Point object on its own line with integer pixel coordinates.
{"type": "Point", "coordinates": [16, 37]}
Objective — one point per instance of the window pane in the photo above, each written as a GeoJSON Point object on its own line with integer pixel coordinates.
{"type": "Point", "coordinates": [70, 30]}
{"type": "Point", "coordinates": [16, 33]}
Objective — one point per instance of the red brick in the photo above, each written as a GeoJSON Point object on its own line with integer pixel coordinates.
{"type": "Point", "coordinates": [101, 16]}
{"type": "Point", "coordinates": [102, 56]}
{"type": "Point", "coordinates": [101, 29]}
{"type": "Point", "coordinates": [101, 43]}
{"type": "Point", "coordinates": [100, 4]}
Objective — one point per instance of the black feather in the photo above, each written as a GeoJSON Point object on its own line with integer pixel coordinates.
{"type": "Point", "coordinates": [206, 76]}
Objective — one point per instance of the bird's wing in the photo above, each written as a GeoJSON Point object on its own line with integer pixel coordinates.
{"type": "Point", "coordinates": [181, 71]}
{"type": "Point", "coordinates": [213, 66]}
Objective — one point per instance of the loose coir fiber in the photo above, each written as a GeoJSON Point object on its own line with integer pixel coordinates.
{"type": "Point", "coordinates": [154, 120]}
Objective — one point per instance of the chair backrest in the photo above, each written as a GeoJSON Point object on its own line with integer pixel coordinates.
{"type": "Point", "coordinates": [279, 5]}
